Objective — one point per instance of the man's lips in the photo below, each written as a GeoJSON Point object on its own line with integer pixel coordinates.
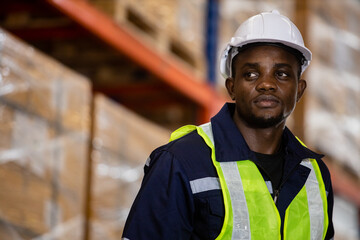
{"type": "Point", "coordinates": [266, 101]}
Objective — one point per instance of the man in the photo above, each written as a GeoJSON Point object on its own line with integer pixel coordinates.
{"type": "Point", "coordinates": [243, 175]}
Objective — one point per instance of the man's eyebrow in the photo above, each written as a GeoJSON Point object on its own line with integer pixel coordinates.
{"type": "Point", "coordinates": [251, 65]}
{"type": "Point", "coordinates": [279, 65]}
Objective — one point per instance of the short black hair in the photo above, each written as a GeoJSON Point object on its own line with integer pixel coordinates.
{"type": "Point", "coordinates": [298, 55]}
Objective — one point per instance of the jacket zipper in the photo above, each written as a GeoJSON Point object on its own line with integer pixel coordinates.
{"type": "Point", "coordinates": [277, 191]}
{"type": "Point", "coordinates": [276, 195]}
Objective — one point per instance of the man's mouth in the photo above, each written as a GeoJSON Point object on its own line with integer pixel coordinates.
{"type": "Point", "coordinates": [266, 101]}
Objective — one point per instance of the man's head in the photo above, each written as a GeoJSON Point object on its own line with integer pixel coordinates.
{"type": "Point", "coordinates": [265, 86]}
{"type": "Point", "coordinates": [266, 28]}
{"type": "Point", "coordinates": [262, 67]}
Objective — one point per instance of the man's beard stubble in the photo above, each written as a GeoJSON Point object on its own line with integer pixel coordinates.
{"type": "Point", "coordinates": [261, 122]}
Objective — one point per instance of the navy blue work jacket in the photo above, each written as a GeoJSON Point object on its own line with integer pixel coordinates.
{"type": "Point", "coordinates": [166, 206]}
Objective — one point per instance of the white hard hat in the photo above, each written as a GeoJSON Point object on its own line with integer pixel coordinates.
{"type": "Point", "coordinates": [267, 27]}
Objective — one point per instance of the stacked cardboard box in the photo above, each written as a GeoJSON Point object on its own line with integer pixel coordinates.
{"type": "Point", "coordinates": [44, 129]}
{"type": "Point", "coordinates": [44, 150]}
{"type": "Point", "coordinates": [121, 144]}
{"type": "Point", "coordinates": [333, 112]}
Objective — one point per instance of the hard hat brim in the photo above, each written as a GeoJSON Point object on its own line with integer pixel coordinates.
{"type": "Point", "coordinates": [304, 50]}
{"type": "Point", "coordinates": [225, 65]}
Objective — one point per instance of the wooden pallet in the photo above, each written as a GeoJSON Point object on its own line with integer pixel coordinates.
{"type": "Point", "coordinates": [165, 38]}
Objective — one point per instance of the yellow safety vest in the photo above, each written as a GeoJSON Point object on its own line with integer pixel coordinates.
{"type": "Point", "coordinates": [250, 212]}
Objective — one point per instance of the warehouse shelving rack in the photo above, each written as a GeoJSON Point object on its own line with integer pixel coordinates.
{"type": "Point", "coordinates": [172, 83]}
{"type": "Point", "coordinates": [207, 99]}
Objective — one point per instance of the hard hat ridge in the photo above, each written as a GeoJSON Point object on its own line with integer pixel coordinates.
{"type": "Point", "coordinates": [266, 27]}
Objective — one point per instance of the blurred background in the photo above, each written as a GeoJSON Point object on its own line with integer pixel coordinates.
{"type": "Point", "coordinates": [88, 88]}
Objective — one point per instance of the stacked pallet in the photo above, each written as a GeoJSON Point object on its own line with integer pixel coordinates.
{"type": "Point", "coordinates": [333, 112]}
{"type": "Point", "coordinates": [122, 142]}
{"type": "Point", "coordinates": [45, 146]}
{"type": "Point", "coordinates": [44, 129]}
{"type": "Point", "coordinates": [174, 28]}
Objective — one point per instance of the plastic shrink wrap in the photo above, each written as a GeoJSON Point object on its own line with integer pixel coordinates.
{"type": "Point", "coordinates": [122, 142]}
{"type": "Point", "coordinates": [45, 144]}
{"type": "Point", "coordinates": [44, 129]}
{"type": "Point", "coordinates": [333, 100]}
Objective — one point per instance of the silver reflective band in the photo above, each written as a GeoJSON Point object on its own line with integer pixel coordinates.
{"type": "Point", "coordinates": [315, 202]}
{"type": "Point", "coordinates": [205, 184]}
{"type": "Point", "coordinates": [208, 130]}
{"type": "Point", "coordinates": [241, 222]}
{"type": "Point", "coordinates": [125, 239]}
{"type": "Point", "coordinates": [269, 186]}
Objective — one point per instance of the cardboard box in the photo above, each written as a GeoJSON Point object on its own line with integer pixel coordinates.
{"type": "Point", "coordinates": [122, 143]}
{"type": "Point", "coordinates": [45, 125]}
{"type": "Point", "coordinates": [42, 177]}
{"type": "Point", "coordinates": [332, 112]}
{"type": "Point", "coordinates": [28, 77]}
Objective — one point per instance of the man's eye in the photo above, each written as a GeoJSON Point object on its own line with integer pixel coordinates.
{"type": "Point", "coordinates": [282, 74]}
{"type": "Point", "coordinates": [251, 75]}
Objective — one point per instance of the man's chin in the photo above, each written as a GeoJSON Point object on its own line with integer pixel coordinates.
{"type": "Point", "coordinates": [266, 122]}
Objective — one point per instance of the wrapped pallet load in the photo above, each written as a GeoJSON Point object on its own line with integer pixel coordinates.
{"type": "Point", "coordinates": [122, 142]}
{"type": "Point", "coordinates": [44, 128]}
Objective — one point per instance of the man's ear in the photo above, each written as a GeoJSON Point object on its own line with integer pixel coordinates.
{"type": "Point", "coordinates": [301, 89]}
{"type": "Point", "coordinates": [229, 83]}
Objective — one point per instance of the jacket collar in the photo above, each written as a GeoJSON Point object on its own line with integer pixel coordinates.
{"type": "Point", "coordinates": [230, 145]}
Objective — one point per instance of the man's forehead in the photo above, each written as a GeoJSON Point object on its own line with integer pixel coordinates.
{"type": "Point", "coordinates": [258, 54]}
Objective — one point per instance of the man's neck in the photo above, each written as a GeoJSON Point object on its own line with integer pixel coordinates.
{"type": "Point", "coordinates": [261, 140]}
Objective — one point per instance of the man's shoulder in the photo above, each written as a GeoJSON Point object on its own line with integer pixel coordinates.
{"type": "Point", "coordinates": [186, 146]}
{"type": "Point", "coordinates": [304, 152]}
{"type": "Point", "coordinates": [190, 152]}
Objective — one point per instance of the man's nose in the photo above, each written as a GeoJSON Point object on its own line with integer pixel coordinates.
{"type": "Point", "coordinates": [266, 83]}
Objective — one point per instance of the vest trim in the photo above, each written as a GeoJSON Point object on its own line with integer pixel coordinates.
{"type": "Point", "coordinates": [205, 184]}
{"type": "Point", "coordinates": [314, 197]}
{"type": "Point", "coordinates": [240, 214]}
{"type": "Point", "coordinates": [269, 186]}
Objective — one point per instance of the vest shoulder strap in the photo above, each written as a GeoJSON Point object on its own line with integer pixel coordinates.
{"type": "Point", "coordinates": [180, 132]}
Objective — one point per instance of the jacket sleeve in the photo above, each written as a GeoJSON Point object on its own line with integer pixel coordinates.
{"type": "Point", "coordinates": [164, 207]}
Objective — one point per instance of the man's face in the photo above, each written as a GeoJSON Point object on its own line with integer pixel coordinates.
{"type": "Point", "coordinates": [266, 86]}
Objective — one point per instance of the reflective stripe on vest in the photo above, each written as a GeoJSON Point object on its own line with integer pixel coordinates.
{"type": "Point", "coordinates": [250, 212]}
{"type": "Point", "coordinates": [312, 216]}
{"type": "Point", "coordinates": [205, 184]}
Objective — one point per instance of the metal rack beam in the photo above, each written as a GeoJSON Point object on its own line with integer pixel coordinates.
{"type": "Point", "coordinates": [164, 67]}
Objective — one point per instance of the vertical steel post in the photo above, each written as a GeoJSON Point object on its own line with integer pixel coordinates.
{"type": "Point", "coordinates": [211, 38]}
